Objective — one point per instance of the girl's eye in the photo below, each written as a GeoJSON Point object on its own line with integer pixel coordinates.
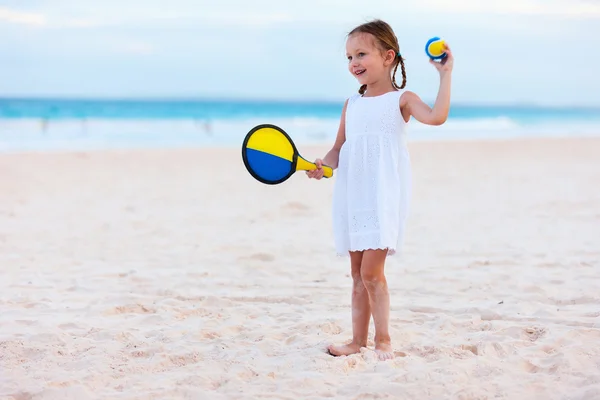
{"type": "Point", "coordinates": [360, 55]}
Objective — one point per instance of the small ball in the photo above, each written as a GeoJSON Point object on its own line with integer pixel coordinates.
{"type": "Point", "coordinates": [435, 48]}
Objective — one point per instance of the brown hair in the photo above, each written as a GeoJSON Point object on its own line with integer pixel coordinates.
{"type": "Point", "coordinates": [385, 38]}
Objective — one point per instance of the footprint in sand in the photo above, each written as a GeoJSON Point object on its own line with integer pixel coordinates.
{"type": "Point", "coordinates": [206, 334]}
{"type": "Point", "coordinates": [464, 351]}
{"type": "Point", "coordinates": [265, 257]}
{"type": "Point", "coordinates": [470, 347]}
{"type": "Point", "coordinates": [141, 354]}
{"type": "Point", "coordinates": [352, 363]}
{"type": "Point", "coordinates": [21, 396]}
{"type": "Point", "coordinates": [593, 314]}
{"type": "Point", "coordinates": [480, 263]}
{"type": "Point", "coordinates": [427, 352]}
{"type": "Point", "coordinates": [574, 301]}
{"type": "Point", "coordinates": [549, 264]}
{"type": "Point", "coordinates": [533, 289]}
{"type": "Point", "coordinates": [331, 328]}
{"type": "Point", "coordinates": [247, 374]}
{"type": "Point", "coordinates": [493, 349]}
{"type": "Point", "coordinates": [181, 313]}
{"type": "Point", "coordinates": [549, 365]}
{"type": "Point", "coordinates": [534, 333]}
{"type": "Point", "coordinates": [295, 206]}
{"type": "Point", "coordinates": [131, 309]}
{"type": "Point", "coordinates": [182, 360]}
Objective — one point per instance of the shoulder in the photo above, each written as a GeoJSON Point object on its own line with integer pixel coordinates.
{"type": "Point", "coordinates": [352, 98]}
{"type": "Point", "coordinates": [347, 101]}
{"type": "Point", "coordinates": [408, 97]}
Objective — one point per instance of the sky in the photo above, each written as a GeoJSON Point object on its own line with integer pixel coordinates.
{"type": "Point", "coordinates": [514, 51]}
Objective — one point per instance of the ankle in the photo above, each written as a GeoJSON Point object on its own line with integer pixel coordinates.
{"type": "Point", "coordinates": [383, 339]}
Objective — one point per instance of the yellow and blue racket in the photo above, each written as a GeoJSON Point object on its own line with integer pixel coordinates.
{"type": "Point", "coordinates": [271, 157]}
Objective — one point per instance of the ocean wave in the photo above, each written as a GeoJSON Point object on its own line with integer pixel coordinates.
{"type": "Point", "coordinates": [84, 134]}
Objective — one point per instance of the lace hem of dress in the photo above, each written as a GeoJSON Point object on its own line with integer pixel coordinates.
{"type": "Point", "coordinates": [391, 251]}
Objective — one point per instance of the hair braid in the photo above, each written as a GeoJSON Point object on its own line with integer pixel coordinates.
{"type": "Point", "coordinates": [394, 77]}
{"type": "Point", "coordinates": [401, 63]}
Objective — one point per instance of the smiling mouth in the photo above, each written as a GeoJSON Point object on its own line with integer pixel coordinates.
{"type": "Point", "coordinates": [359, 72]}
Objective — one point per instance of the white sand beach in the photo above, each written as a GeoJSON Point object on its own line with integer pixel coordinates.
{"type": "Point", "coordinates": [144, 275]}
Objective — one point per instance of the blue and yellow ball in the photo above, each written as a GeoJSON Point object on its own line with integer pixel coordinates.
{"type": "Point", "coordinates": [435, 48]}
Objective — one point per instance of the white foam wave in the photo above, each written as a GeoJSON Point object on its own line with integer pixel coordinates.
{"type": "Point", "coordinates": [33, 134]}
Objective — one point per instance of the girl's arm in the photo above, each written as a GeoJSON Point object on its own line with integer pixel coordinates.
{"type": "Point", "coordinates": [333, 156]}
{"type": "Point", "coordinates": [412, 105]}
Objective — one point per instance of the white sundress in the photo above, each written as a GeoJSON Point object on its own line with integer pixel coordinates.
{"type": "Point", "coordinates": [373, 180]}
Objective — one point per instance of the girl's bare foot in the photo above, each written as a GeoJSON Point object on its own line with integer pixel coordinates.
{"type": "Point", "coordinates": [384, 351]}
{"type": "Point", "coordinates": [344, 350]}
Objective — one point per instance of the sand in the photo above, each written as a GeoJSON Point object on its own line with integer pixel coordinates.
{"type": "Point", "coordinates": [145, 275]}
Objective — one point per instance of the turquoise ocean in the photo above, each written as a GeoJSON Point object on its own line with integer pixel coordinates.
{"type": "Point", "coordinates": [30, 124]}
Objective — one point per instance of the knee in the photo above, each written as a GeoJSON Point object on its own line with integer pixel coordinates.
{"type": "Point", "coordinates": [356, 277]}
{"type": "Point", "coordinates": [371, 278]}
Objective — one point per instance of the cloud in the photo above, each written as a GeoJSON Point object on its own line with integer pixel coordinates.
{"type": "Point", "coordinates": [561, 8]}
{"type": "Point", "coordinates": [136, 13]}
{"type": "Point", "coordinates": [261, 13]}
{"type": "Point", "coordinates": [24, 18]}
{"type": "Point", "coordinates": [263, 48]}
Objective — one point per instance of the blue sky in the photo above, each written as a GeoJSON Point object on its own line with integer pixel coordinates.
{"type": "Point", "coordinates": [519, 51]}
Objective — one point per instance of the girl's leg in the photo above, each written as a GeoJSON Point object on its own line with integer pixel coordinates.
{"type": "Point", "coordinates": [361, 311]}
{"type": "Point", "coordinates": [373, 277]}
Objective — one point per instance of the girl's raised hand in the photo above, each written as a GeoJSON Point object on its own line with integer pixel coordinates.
{"type": "Point", "coordinates": [447, 62]}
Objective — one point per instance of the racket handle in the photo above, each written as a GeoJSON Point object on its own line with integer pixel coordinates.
{"type": "Point", "coordinates": [305, 165]}
{"type": "Point", "coordinates": [327, 171]}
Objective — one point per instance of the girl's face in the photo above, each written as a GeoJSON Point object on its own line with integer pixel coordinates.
{"type": "Point", "coordinates": [365, 61]}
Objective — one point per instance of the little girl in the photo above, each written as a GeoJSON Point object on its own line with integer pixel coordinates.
{"type": "Point", "coordinates": [372, 186]}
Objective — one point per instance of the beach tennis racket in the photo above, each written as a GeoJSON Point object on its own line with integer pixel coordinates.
{"type": "Point", "coordinates": [271, 157]}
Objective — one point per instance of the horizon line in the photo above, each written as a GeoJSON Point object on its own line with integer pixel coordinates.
{"type": "Point", "coordinates": [265, 99]}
